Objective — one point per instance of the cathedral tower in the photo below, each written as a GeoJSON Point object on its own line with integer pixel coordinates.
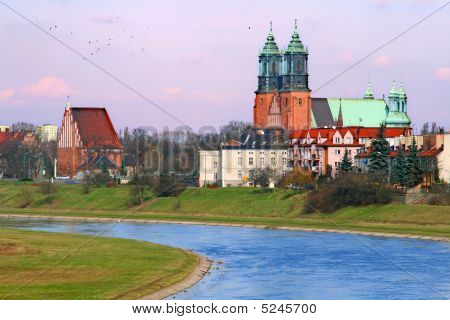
{"type": "Point", "coordinates": [283, 97]}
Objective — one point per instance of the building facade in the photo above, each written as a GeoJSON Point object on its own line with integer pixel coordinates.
{"type": "Point", "coordinates": [4, 128]}
{"type": "Point", "coordinates": [283, 97]}
{"type": "Point", "coordinates": [315, 149]}
{"type": "Point", "coordinates": [88, 141]}
{"type": "Point", "coordinates": [48, 132]}
{"type": "Point", "coordinates": [231, 165]}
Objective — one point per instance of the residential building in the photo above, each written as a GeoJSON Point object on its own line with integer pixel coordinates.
{"type": "Point", "coordinates": [88, 141]}
{"type": "Point", "coordinates": [283, 97]}
{"type": "Point", "coordinates": [231, 165]}
{"type": "Point", "coordinates": [48, 132]}
{"type": "Point", "coordinates": [315, 149]}
{"type": "Point", "coordinates": [434, 154]}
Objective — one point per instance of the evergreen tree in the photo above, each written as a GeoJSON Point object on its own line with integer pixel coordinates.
{"type": "Point", "coordinates": [413, 169]}
{"type": "Point", "coordinates": [346, 163]}
{"type": "Point", "coordinates": [379, 155]}
{"type": "Point", "coordinates": [399, 171]}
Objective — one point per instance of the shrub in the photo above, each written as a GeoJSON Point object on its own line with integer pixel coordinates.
{"type": "Point", "coordinates": [48, 188]}
{"type": "Point", "coordinates": [25, 197]}
{"type": "Point", "coordinates": [439, 199]}
{"type": "Point", "coordinates": [347, 190]}
{"type": "Point", "coordinates": [167, 186]}
{"type": "Point", "coordinates": [102, 179]}
{"type": "Point", "coordinates": [299, 179]}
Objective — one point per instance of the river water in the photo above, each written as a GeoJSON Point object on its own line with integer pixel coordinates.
{"type": "Point", "coordinates": [276, 264]}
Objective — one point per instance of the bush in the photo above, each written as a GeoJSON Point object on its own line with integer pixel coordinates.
{"type": "Point", "coordinates": [102, 179]}
{"type": "Point", "coordinates": [440, 199]}
{"type": "Point", "coordinates": [299, 179]}
{"type": "Point", "coordinates": [347, 190]}
{"type": "Point", "coordinates": [48, 188]}
{"type": "Point", "coordinates": [25, 197]}
{"type": "Point", "coordinates": [167, 186]}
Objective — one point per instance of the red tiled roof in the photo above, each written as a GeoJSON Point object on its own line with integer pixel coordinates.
{"type": "Point", "coordinates": [357, 132]}
{"type": "Point", "coordinates": [431, 152]}
{"type": "Point", "coordinates": [11, 136]}
{"type": "Point", "coordinates": [95, 127]}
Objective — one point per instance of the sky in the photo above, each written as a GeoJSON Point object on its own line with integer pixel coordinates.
{"type": "Point", "coordinates": [198, 60]}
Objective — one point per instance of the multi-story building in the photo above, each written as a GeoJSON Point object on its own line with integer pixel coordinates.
{"type": "Point", "coordinates": [48, 132]}
{"type": "Point", "coordinates": [434, 154]}
{"type": "Point", "coordinates": [88, 141]}
{"type": "Point", "coordinates": [315, 149]}
{"type": "Point", "coordinates": [232, 164]}
{"type": "Point", "coordinates": [283, 97]}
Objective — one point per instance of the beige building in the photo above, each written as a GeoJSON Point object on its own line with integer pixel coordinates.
{"type": "Point", "coordinates": [4, 128]}
{"type": "Point", "coordinates": [231, 165]}
{"type": "Point", "coordinates": [48, 132]}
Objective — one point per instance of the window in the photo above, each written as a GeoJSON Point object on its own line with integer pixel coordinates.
{"type": "Point", "coordinates": [262, 152]}
{"type": "Point", "coordinates": [272, 162]}
{"type": "Point", "coordinates": [349, 152]}
{"type": "Point", "coordinates": [337, 151]}
{"type": "Point", "coordinates": [215, 164]}
{"type": "Point", "coordinates": [349, 140]}
{"type": "Point", "coordinates": [274, 68]}
{"type": "Point", "coordinates": [298, 66]}
{"type": "Point", "coordinates": [240, 162]}
{"type": "Point", "coordinates": [337, 140]}
{"type": "Point", "coordinates": [284, 161]}
{"type": "Point", "coordinates": [215, 175]}
{"type": "Point", "coordinates": [336, 164]}
{"type": "Point", "coordinates": [250, 161]}
{"type": "Point", "coordinates": [261, 162]}
{"type": "Point", "coordinates": [240, 174]}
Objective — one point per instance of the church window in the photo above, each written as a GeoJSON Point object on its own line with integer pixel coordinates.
{"type": "Point", "coordinates": [298, 66]}
{"type": "Point", "coordinates": [274, 69]}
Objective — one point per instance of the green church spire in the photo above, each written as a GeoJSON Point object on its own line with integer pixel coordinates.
{"type": "Point", "coordinates": [394, 92]}
{"type": "Point", "coordinates": [296, 45]}
{"type": "Point", "coordinates": [369, 93]}
{"type": "Point", "coordinates": [270, 47]}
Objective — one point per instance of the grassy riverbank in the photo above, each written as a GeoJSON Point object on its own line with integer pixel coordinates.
{"type": "Point", "coordinates": [228, 205]}
{"type": "Point", "coordinates": [34, 266]}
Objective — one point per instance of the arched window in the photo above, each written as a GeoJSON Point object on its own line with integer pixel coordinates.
{"type": "Point", "coordinates": [298, 66]}
{"type": "Point", "coordinates": [274, 69]}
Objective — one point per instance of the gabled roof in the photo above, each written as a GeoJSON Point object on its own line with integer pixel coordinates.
{"type": "Point", "coordinates": [95, 127]}
{"type": "Point", "coordinates": [11, 136]}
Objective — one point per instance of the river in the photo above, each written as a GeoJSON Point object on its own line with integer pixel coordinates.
{"type": "Point", "coordinates": [277, 264]}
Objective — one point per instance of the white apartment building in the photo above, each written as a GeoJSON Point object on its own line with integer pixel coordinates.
{"type": "Point", "coordinates": [231, 165]}
{"type": "Point", "coordinates": [48, 132]}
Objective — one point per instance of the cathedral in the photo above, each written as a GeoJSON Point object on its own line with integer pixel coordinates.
{"type": "Point", "coordinates": [283, 98]}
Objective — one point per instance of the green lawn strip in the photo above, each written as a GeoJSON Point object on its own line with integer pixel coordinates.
{"type": "Point", "coordinates": [105, 268]}
{"type": "Point", "coordinates": [334, 221]}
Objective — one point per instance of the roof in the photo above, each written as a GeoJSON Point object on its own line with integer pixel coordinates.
{"type": "Point", "coordinates": [270, 47]}
{"type": "Point", "coordinates": [11, 136]}
{"type": "Point", "coordinates": [356, 112]}
{"type": "Point", "coordinates": [356, 132]}
{"type": "Point", "coordinates": [100, 162]}
{"type": "Point", "coordinates": [267, 138]}
{"type": "Point", "coordinates": [95, 127]}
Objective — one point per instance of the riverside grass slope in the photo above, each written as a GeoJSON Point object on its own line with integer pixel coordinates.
{"type": "Point", "coordinates": [241, 206]}
{"type": "Point", "coordinates": [105, 268]}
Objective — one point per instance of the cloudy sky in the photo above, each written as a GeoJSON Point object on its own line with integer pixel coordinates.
{"type": "Point", "coordinates": [198, 59]}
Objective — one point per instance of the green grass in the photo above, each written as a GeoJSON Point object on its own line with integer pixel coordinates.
{"type": "Point", "coordinates": [67, 197]}
{"type": "Point", "coordinates": [231, 205]}
{"type": "Point", "coordinates": [232, 201]}
{"type": "Point", "coordinates": [32, 266]}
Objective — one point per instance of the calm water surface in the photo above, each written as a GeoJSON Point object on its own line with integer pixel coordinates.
{"type": "Point", "coordinates": [275, 264]}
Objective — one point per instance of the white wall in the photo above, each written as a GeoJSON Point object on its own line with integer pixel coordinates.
{"type": "Point", "coordinates": [210, 168]}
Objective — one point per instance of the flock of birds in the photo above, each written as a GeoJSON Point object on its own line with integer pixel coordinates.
{"type": "Point", "coordinates": [133, 43]}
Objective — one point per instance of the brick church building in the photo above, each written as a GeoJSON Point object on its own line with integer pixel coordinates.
{"type": "Point", "coordinates": [88, 142]}
{"type": "Point", "coordinates": [283, 98]}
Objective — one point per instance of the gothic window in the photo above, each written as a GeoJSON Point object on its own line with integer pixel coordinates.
{"type": "Point", "coordinates": [274, 69]}
{"type": "Point", "coordinates": [298, 66]}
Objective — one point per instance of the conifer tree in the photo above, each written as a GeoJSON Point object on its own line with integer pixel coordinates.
{"type": "Point", "coordinates": [346, 163]}
{"type": "Point", "coordinates": [399, 170]}
{"type": "Point", "coordinates": [379, 155]}
{"type": "Point", "coordinates": [413, 169]}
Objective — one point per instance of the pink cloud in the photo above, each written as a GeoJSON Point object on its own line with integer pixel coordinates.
{"type": "Point", "coordinates": [48, 86]}
{"type": "Point", "coordinates": [382, 61]}
{"type": "Point", "coordinates": [442, 74]}
{"type": "Point", "coordinates": [347, 56]}
{"type": "Point", "coordinates": [6, 94]}
{"type": "Point", "coordinates": [172, 91]}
